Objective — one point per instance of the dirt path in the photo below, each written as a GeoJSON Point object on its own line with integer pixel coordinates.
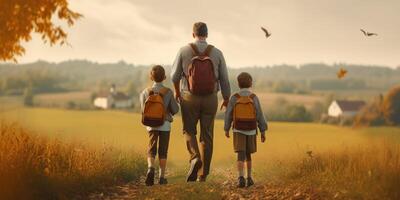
{"type": "Point", "coordinates": [221, 186]}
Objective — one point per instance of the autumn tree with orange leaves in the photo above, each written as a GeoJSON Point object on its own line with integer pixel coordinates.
{"type": "Point", "coordinates": [20, 18]}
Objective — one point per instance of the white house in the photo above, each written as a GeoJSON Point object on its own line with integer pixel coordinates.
{"type": "Point", "coordinates": [343, 108]}
{"type": "Point", "coordinates": [113, 99]}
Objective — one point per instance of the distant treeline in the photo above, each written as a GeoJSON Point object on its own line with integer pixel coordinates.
{"type": "Point", "coordinates": [44, 77]}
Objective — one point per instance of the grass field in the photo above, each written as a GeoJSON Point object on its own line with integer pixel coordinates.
{"type": "Point", "coordinates": [124, 130]}
{"type": "Point", "coordinates": [361, 160]}
{"type": "Point", "coordinates": [61, 99]}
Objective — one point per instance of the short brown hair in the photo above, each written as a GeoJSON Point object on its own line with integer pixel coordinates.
{"type": "Point", "coordinates": [157, 73]}
{"type": "Point", "coordinates": [244, 80]}
{"type": "Point", "coordinates": [200, 29]}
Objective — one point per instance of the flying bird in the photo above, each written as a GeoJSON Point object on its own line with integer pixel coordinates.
{"type": "Point", "coordinates": [267, 34]}
{"type": "Point", "coordinates": [341, 73]}
{"type": "Point", "coordinates": [368, 34]}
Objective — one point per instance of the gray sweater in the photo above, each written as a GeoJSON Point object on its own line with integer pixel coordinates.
{"type": "Point", "coordinates": [171, 107]}
{"type": "Point", "coordinates": [183, 59]}
{"type": "Point", "coordinates": [261, 122]}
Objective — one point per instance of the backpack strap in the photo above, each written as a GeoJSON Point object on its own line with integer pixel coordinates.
{"type": "Point", "coordinates": [208, 50]}
{"type": "Point", "coordinates": [150, 91]}
{"type": "Point", "coordinates": [196, 51]}
{"type": "Point", "coordinates": [163, 91]}
{"type": "Point", "coordinates": [252, 95]}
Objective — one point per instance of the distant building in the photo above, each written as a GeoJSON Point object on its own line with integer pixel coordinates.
{"type": "Point", "coordinates": [343, 108]}
{"type": "Point", "coordinates": [113, 99]}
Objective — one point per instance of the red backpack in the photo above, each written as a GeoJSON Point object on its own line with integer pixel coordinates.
{"type": "Point", "coordinates": [201, 76]}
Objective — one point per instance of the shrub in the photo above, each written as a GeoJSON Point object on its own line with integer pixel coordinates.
{"type": "Point", "coordinates": [33, 167]}
{"type": "Point", "coordinates": [391, 106]}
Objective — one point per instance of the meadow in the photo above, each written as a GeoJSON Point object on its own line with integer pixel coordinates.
{"type": "Point", "coordinates": [342, 157]}
{"type": "Point", "coordinates": [124, 130]}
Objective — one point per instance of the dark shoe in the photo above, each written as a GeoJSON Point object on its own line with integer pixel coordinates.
{"type": "Point", "coordinates": [150, 176]}
{"type": "Point", "coordinates": [250, 182]}
{"type": "Point", "coordinates": [242, 182]}
{"type": "Point", "coordinates": [194, 168]}
{"type": "Point", "coordinates": [202, 178]}
{"type": "Point", "coordinates": [163, 181]}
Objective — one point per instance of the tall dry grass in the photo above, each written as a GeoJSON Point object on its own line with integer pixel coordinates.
{"type": "Point", "coordinates": [33, 167]}
{"type": "Point", "coordinates": [368, 172]}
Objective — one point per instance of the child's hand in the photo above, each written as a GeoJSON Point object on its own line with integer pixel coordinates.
{"type": "Point", "coordinates": [263, 137]}
{"type": "Point", "coordinates": [178, 97]}
{"type": "Point", "coordinates": [227, 134]}
{"type": "Point", "coordinates": [224, 104]}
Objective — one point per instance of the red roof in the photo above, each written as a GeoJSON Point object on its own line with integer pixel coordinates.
{"type": "Point", "coordinates": [350, 105]}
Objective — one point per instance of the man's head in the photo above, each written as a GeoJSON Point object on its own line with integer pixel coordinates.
{"type": "Point", "coordinates": [157, 74]}
{"type": "Point", "coordinates": [244, 80]}
{"type": "Point", "coordinates": [200, 30]}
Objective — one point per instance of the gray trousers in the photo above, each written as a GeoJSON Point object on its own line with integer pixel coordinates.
{"type": "Point", "coordinates": [194, 109]}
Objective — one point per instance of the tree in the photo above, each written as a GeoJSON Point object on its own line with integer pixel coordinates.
{"type": "Point", "coordinates": [298, 113]}
{"type": "Point", "coordinates": [132, 89]}
{"type": "Point", "coordinates": [391, 106]}
{"type": "Point", "coordinates": [20, 18]}
{"type": "Point", "coordinates": [28, 97]}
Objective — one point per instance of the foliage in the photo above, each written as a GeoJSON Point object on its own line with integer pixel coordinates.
{"type": "Point", "coordinates": [283, 111]}
{"type": "Point", "coordinates": [381, 111]}
{"type": "Point", "coordinates": [391, 106]}
{"type": "Point", "coordinates": [19, 18]}
{"type": "Point", "coordinates": [41, 81]}
{"type": "Point", "coordinates": [33, 167]}
{"type": "Point", "coordinates": [371, 114]}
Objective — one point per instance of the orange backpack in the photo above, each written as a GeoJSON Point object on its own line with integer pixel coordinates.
{"type": "Point", "coordinates": [244, 113]}
{"type": "Point", "coordinates": [201, 76]}
{"type": "Point", "coordinates": [154, 109]}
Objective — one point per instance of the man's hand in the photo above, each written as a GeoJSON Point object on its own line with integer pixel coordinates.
{"type": "Point", "coordinates": [227, 134]}
{"type": "Point", "coordinates": [263, 137]}
{"type": "Point", "coordinates": [178, 97]}
{"type": "Point", "coordinates": [224, 104]}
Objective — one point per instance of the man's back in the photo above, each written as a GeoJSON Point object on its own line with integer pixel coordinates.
{"type": "Point", "coordinates": [184, 57]}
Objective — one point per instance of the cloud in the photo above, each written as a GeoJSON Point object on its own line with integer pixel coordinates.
{"type": "Point", "coordinates": [151, 31]}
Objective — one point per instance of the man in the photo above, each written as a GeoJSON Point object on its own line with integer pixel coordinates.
{"type": "Point", "coordinates": [199, 104]}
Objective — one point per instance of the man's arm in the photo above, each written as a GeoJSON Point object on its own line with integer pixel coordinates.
{"type": "Point", "coordinates": [224, 81]}
{"type": "Point", "coordinates": [173, 106]}
{"type": "Point", "coordinates": [176, 75]}
{"type": "Point", "coordinates": [229, 114]}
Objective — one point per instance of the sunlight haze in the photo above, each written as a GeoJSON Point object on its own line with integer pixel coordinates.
{"type": "Point", "coordinates": [303, 31]}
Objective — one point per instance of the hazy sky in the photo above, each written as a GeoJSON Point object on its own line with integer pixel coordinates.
{"type": "Point", "coordinates": [303, 31]}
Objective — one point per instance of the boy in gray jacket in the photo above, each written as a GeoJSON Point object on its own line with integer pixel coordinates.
{"type": "Point", "coordinates": [245, 141]}
{"type": "Point", "coordinates": [159, 134]}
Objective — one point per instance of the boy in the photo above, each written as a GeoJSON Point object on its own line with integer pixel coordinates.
{"type": "Point", "coordinates": [244, 111]}
{"type": "Point", "coordinates": [161, 133]}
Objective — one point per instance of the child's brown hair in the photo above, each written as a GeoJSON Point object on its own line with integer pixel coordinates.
{"type": "Point", "coordinates": [245, 80]}
{"type": "Point", "coordinates": [157, 73]}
